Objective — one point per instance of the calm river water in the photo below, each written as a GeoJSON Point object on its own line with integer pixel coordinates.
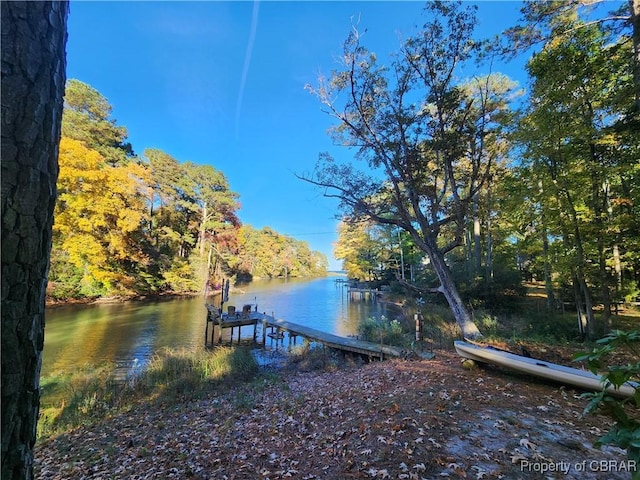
{"type": "Point", "coordinates": [124, 333]}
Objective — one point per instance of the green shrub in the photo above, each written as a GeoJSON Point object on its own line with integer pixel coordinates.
{"type": "Point", "coordinates": [626, 431]}
{"type": "Point", "coordinates": [488, 324]}
{"type": "Point", "coordinates": [382, 331]}
{"type": "Point", "coordinates": [308, 357]}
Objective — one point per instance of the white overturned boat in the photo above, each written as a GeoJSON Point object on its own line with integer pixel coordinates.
{"type": "Point", "coordinates": [552, 371]}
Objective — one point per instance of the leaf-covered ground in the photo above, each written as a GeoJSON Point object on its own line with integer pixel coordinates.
{"type": "Point", "coordinates": [420, 419]}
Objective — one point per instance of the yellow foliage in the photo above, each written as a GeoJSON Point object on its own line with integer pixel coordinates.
{"type": "Point", "coordinates": [99, 207]}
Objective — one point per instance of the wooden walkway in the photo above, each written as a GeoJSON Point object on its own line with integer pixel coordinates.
{"type": "Point", "coordinates": [334, 341]}
{"type": "Point", "coordinates": [362, 293]}
{"type": "Point", "coordinates": [274, 328]}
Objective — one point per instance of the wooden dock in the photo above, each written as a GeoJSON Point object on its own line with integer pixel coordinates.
{"type": "Point", "coordinates": [348, 344]}
{"type": "Point", "coordinates": [363, 293]}
{"type": "Point", "coordinates": [274, 328]}
{"type": "Point", "coordinates": [229, 320]}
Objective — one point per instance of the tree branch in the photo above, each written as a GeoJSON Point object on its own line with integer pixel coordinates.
{"type": "Point", "coordinates": [417, 289]}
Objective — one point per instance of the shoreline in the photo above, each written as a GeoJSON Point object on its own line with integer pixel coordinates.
{"type": "Point", "coordinates": [53, 303]}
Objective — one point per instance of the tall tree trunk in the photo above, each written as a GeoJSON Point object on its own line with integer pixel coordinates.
{"type": "Point", "coordinates": [477, 260]}
{"type": "Point", "coordinates": [599, 201]}
{"type": "Point", "coordinates": [588, 305]}
{"type": "Point", "coordinates": [635, 23]}
{"type": "Point", "coordinates": [401, 255]}
{"type": "Point", "coordinates": [468, 246]}
{"type": "Point", "coordinates": [548, 282]}
{"type": "Point", "coordinates": [33, 80]}
{"type": "Point", "coordinates": [489, 254]}
{"type": "Point", "coordinates": [617, 265]}
{"type": "Point", "coordinates": [580, 264]}
{"type": "Point", "coordinates": [203, 229]}
{"type": "Point", "coordinates": [449, 290]}
{"type": "Point", "coordinates": [580, 276]}
{"type": "Point", "coordinates": [582, 318]}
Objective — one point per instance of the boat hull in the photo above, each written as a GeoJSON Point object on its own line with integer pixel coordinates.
{"type": "Point", "coordinates": [551, 371]}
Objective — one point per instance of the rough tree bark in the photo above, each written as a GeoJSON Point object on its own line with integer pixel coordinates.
{"type": "Point", "coordinates": [33, 79]}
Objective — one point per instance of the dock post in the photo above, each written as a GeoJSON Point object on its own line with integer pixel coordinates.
{"type": "Point", "coordinates": [239, 330]}
{"type": "Point", "coordinates": [292, 337]}
{"type": "Point", "coordinates": [264, 330]}
{"type": "Point", "coordinates": [255, 330]}
{"type": "Point", "coordinates": [220, 331]}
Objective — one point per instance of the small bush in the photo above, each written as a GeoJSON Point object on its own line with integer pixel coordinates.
{"type": "Point", "coordinates": [544, 326]}
{"type": "Point", "coordinates": [488, 324]}
{"type": "Point", "coordinates": [308, 357]}
{"type": "Point", "coordinates": [382, 331]}
{"type": "Point", "coordinates": [626, 431]}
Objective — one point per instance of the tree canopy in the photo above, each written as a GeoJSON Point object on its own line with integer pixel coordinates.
{"type": "Point", "coordinates": [127, 225]}
{"type": "Point", "coordinates": [87, 118]}
{"type": "Point", "coordinates": [546, 190]}
{"type": "Point", "coordinates": [428, 139]}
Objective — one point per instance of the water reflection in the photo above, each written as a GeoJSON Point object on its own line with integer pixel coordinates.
{"type": "Point", "coordinates": [133, 331]}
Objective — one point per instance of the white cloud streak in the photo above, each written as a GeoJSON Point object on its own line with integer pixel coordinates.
{"type": "Point", "coordinates": [247, 63]}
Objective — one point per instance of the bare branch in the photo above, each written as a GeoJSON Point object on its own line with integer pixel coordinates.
{"type": "Point", "coordinates": [417, 289]}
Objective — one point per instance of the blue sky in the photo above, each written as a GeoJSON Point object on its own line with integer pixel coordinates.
{"type": "Point", "coordinates": [222, 83]}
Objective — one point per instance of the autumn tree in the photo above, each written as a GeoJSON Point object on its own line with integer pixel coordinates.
{"type": "Point", "coordinates": [420, 133]}
{"type": "Point", "coordinates": [266, 253]}
{"type": "Point", "coordinates": [372, 251]}
{"type": "Point", "coordinates": [100, 244]}
{"type": "Point", "coordinates": [33, 77]}
{"type": "Point", "coordinates": [193, 212]}
{"type": "Point", "coordinates": [357, 248]}
{"type": "Point", "coordinates": [127, 225]}
{"type": "Point", "coordinates": [87, 118]}
{"type": "Point", "coordinates": [98, 225]}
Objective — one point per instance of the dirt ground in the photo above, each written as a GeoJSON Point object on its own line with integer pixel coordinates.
{"type": "Point", "coordinates": [400, 419]}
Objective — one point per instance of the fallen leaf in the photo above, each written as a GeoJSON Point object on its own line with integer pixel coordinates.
{"type": "Point", "coordinates": [527, 444]}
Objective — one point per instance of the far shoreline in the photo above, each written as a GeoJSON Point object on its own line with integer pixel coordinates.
{"type": "Point", "coordinates": [52, 303]}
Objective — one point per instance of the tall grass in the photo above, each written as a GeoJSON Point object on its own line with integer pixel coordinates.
{"type": "Point", "coordinates": [183, 372]}
{"type": "Point", "coordinates": [381, 330]}
{"type": "Point", "coordinates": [171, 377]}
